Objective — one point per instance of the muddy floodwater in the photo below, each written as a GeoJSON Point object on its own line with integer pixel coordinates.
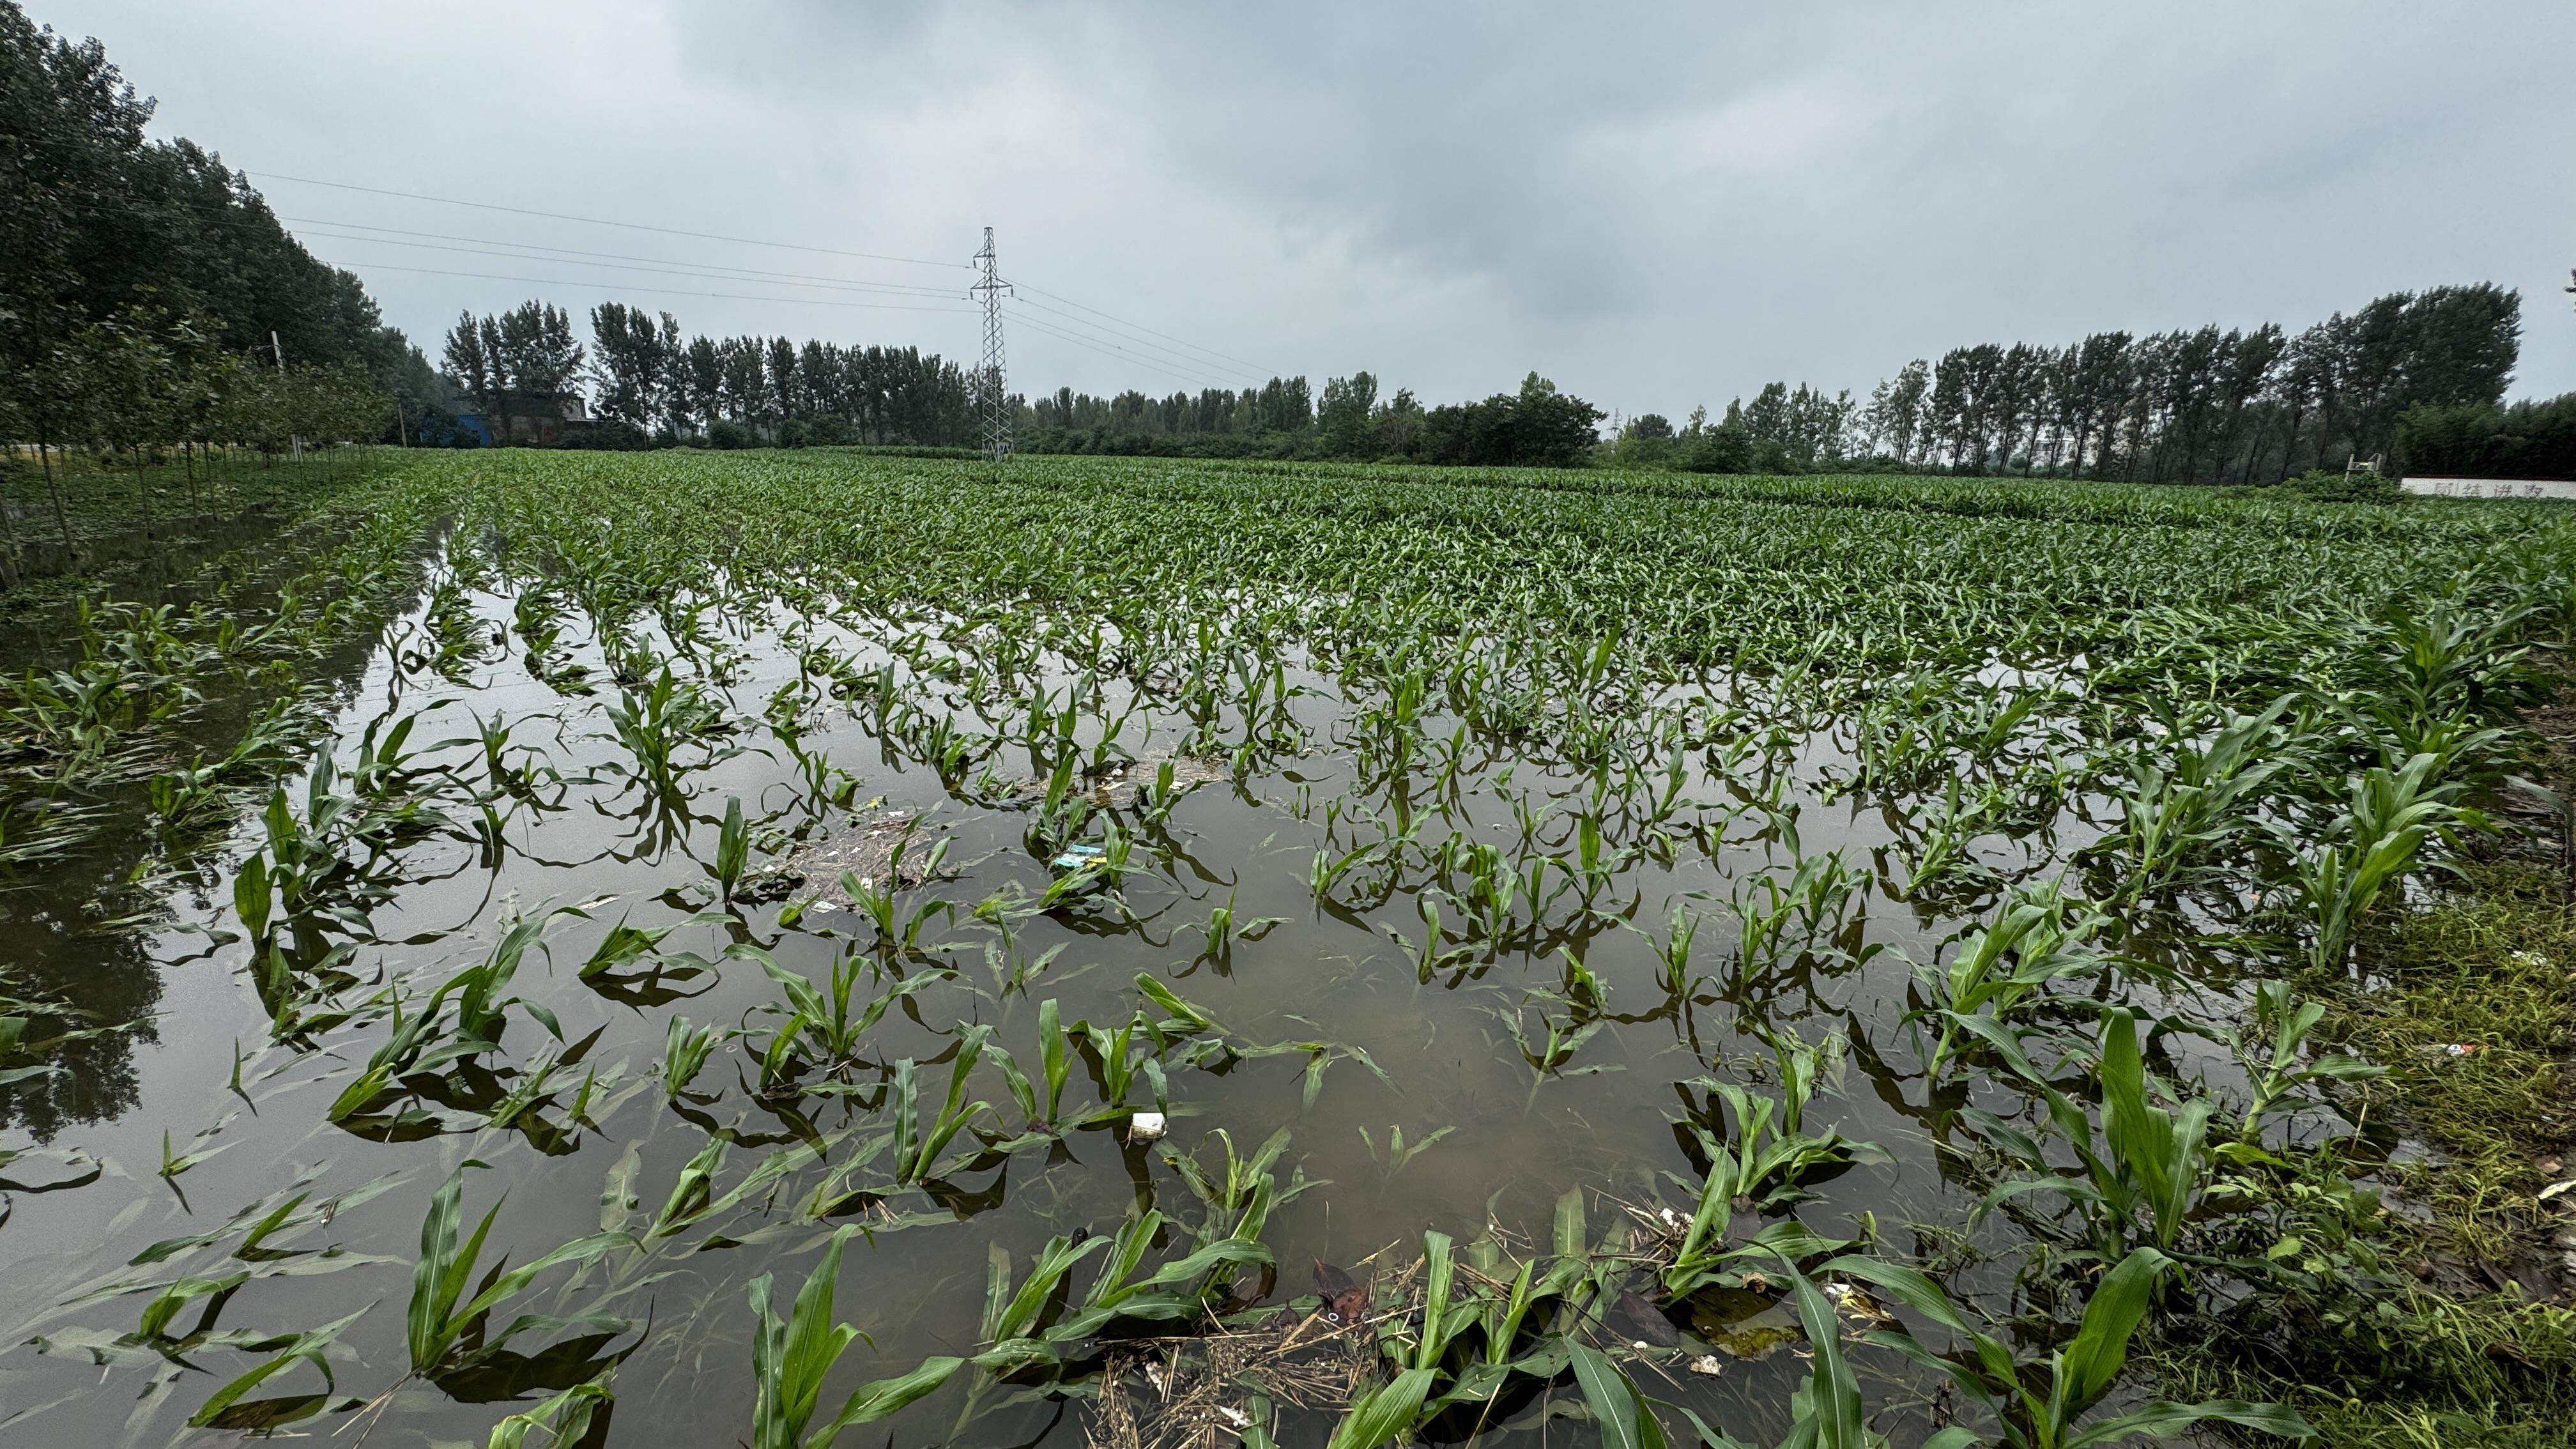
{"type": "Point", "coordinates": [687, 945]}
{"type": "Point", "coordinates": [1428, 1111]}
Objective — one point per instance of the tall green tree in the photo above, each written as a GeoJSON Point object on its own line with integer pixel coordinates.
{"type": "Point", "coordinates": [470, 363]}
{"type": "Point", "coordinates": [629, 362]}
{"type": "Point", "coordinates": [1345, 415]}
{"type": "Point", "coordinates": [537, 351]}
{"type": "Point", "coordinates": [100, 220]}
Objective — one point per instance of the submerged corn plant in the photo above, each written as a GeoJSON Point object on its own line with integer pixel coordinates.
{"type": "Point", "coordinates": [2037, 938]}
{"type": "Point", "coordinates": [2048, 1405]}
{"type": "Point", "coordinates": [2389, 817]}
{"type": "Point", "coordinates": [448, 1330]}
{"type": "Point", "coordinates": [2122, 753]}
{"type": "Point", "coordinates": [2140, 1172]}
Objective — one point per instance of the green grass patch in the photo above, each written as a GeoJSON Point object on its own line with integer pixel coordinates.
{"type": "Point", "coordinates": [2448, 1329]}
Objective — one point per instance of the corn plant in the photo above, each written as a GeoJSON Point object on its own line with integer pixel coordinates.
{"type": "Point", "coordinates": [1673, 952]}
{"type": "Point", "coordinates": [227, 1408]}
{"type": "Point", "coordinates": [1225, 928]}
{"type": "Point", "coordinates": [1399, 1154]}
{"type": "Point", "coordinates": [1434, 955]}
{"type": "Point", "coordinates": [2177, 820]}
{"type": "Point", "coordinates": [918, 1140]}
{"type": "Point", "coordinates": [820, 1018]}
{"type": "Point", "coordinates": [564, 1419]}
{"type": "Point", "coordinates": [2389, 817]}
{"type": "Point", "coordinates": [1940, 859]}
{"type": "Point", "coordinates": [1759, 1169]}
{"type": "Point", "coordinates": [1778, 919]}
{"type": "Point", "coordinates": [2277, 1070]}
{"type": "Point", "coordinates": [685, 1050]}
{"type": "Point", "coordinates": [2440, 663]}
{"type": "Point", "coordinates": [2139, 1176]}
{"type": "Point", "coordinates": [1550, 1050]}
{"type": "Point", "coordinates": [2039, 937]}
{"type": "Point", "coordinates": [733, 850]}
{"type": "Point", "coordinates": [656, 725]}
{"type": "Point", "coordinates": [446, 1331]}
{"type": "Point", "coordinates": [791, 1357]}
{"type": "Point", "coordinates": [2046, 1405]}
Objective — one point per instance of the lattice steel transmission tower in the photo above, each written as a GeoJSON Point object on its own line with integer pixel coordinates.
{"type": "Point", "coordinates": [989, 289]}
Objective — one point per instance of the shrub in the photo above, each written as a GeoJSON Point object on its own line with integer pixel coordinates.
{"type": "Point", "coordinates": [2320, 486]}
{"type": "Point", "coordinates": [1721, 449]}
{"type": "Point", "coordinates": [2481, 440]}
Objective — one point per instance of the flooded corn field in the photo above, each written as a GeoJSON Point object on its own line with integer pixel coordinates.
{"type": "Point", "coordinates": [698, 950]}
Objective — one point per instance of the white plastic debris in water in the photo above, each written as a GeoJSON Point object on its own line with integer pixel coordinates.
{"type": "Point", "coordinates": [1145, 1127]}
{"type": "Point", "coordinates": [1707, 1366]}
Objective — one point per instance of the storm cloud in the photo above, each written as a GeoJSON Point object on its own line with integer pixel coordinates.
{"type": "Point", "coordinates": [1657, 205]}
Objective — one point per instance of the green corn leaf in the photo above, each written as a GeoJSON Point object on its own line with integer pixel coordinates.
{"type": "Point", "coordinates": [1384, 1412]}
{"type": "Point", "coordinates": [308, 1347]}
{"type": "Point", "coordinates": [2101, 1344]}
{"type": "Point", "coordinates": [1625, 1419]}
{"type": "Point", "coordinates": [2162, 1420]}
{"type": "Point", "coordinates": [886, 1397]}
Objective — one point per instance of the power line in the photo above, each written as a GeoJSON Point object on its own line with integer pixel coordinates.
{"type": "Point", "coordinates": [714, 271]}
{"type": "Point", "coordinates": [563, 252]}
{"type": "Point", "coordinates": [660, 291]}
{"type": "Point", "coordinates": [1201, 379]}
{"type": "Point", "coordinates": [1148, 366]}
{"type": "Point", "coordinates": [720, 274]}
{"type": "Point", "coordinates": [1212, 352]}
{"type": "Point", "coordinates": [1096, 328]}
{"type": "Point", "coordinates": [1032, 323]}
{"type": "Point", "coordinates": [1181, 367]}
{"type": "Point", "coordinates": [1187, 368]}
{"type": "Point", "coordinates": [619, 262]}
{"type": "Point", "coordinates": [600, 221]}
{"type": "Point", "coordinates": [1120, 352]}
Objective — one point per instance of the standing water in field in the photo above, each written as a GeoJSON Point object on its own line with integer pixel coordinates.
{"type": "Point", "coordinates": [1185, 955]}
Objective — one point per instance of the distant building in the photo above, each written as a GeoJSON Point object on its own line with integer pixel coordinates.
{"type": "Point", "coordinates": [455, 430]}
{"type": "Point", "coordinates": [2493, 487]}
{"type": "Point", "coordinates": [534, 417]}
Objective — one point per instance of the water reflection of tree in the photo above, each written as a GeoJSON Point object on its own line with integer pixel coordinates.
{"type": "Point", "coordinates": [94, 987]}
{"type": "Point", "coordinates": [79, 931]}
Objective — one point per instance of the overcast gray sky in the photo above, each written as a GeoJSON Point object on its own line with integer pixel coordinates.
{"type": "Point", "coordinates": [1655, 205]}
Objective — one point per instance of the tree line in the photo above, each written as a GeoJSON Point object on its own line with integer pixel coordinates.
{"type": "Point", "coordinates": [1539, 425]}
{"type": "Point", "coordinates": [137, 389]}
{"type": "Point", "coordinates": [657, 385]}
{"type": "Point", "coordinates": [2418, 371]}
{"type": "Point", "coordinates": [2404, 379]}
{"type": "Point", "coordinates": [101, 222]}
{"type": "Point", "coordinates": [150, 302]}
{"type": "Point", "coordinates": [2531, 439]}
{"type": "Point", "coordinates": [2203, 405]}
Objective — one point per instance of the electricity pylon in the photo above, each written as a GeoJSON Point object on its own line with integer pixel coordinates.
{"type": "Point", "coordinates": [990, 289]}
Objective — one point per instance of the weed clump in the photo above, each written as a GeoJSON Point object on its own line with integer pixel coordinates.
{"type": "Point", "coordinates": [2442, 1317]}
